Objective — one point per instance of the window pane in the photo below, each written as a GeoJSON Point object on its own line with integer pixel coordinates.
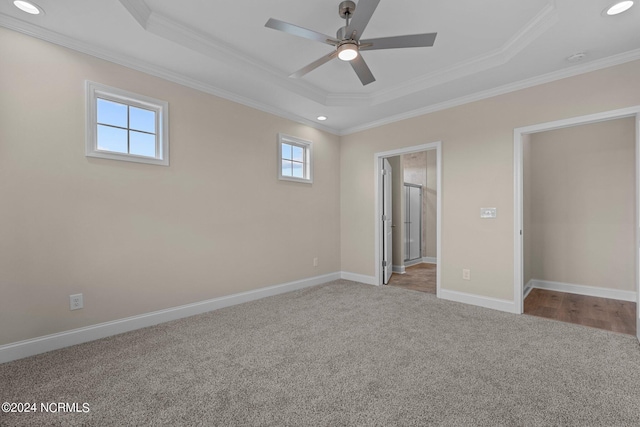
{"type": "Point", "coordinates": [298, 170]}
{"type": "Point", "coordinates": [298, 154]}
{"type": "Point", "coordinates": [142, 144]}
{"type": "Point", "coordinates": [140, 119]}
{"type": "Point", "coordinates": [112, 113]}
{"type": "Point", "coordinates": [287, 168]}
{"type": "Point", "coordinates": [286, 151]}
{"type": "Point", "coordinates": [112, 139]}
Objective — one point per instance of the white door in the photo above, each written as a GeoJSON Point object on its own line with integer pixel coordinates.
{"type": "Point", "coordinates": [387, 230]}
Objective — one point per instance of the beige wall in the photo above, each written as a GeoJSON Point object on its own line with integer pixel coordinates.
{"type": "Point", "coordinates": [135, 238]}
{"type": "Point", "coordinates": [582, 203]}
{"type": "Point", "coordinates": [477, 150]}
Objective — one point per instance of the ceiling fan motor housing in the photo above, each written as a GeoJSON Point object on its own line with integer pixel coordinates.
{"type": "Point", "coordinates": [346, 8]}
{"type": "Point", "coordinates": [341, 34]}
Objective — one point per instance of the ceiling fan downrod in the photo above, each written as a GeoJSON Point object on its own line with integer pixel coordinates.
{"type": "Point", "coordinates": [345, 10]}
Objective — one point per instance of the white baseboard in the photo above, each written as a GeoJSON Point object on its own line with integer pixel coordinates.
{"type": "Point", "coordinates": [413, 262]}
{"type": "Point", "coordinates": [430, 260]}
{"type": "Point", "coordinates": [399, 269]}
{"type": "Point", "coordinates": [527, 289]}
{"type": "Point", "coordinates": [369, 280]}
{"type": "Point", "coordinates": [487, 302]}
{"type": "Point", "coordinates": [584, 290]}
{"type": "Point", "coordinates": [31, 347]}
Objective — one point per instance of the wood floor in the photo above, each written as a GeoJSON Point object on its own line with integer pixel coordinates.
{"type": "Point", "coordinates": [419, 277]}
{"type": "Point", "coordinates": [602, 313]}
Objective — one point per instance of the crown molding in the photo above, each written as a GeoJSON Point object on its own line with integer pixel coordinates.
{"type": "Point", "coordinates": [337, 100]}
{"type": "Point", "coordinates": [198, 41]}
{"type": "Point", "coordinates": [192, 38]}
{"type": "Point", "coordinates": [157, 71]}
{"type": "Point", "coordinates": [576, 70]}
{"type": "Point", "coordinates": [537, 26]}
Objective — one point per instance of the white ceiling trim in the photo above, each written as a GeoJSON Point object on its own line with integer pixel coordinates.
{"type": "Point", "coordinates": [599, 64]}
{"type": "Point", "coordinates": [154, 70]}
{"type": "Point", "coordinates": [133, 63]}
{"type": "Point", "coordinates": [215, 48]}
{"type": "Point", "coordinates": [544, 20]}
{"type": "Point", "coordinates": [195, 40]}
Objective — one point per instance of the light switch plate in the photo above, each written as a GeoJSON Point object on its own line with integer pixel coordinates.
{"type": "Point", "coordinates": [488, 212]}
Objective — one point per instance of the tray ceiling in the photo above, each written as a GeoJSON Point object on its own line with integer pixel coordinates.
{"type": "Point", "coordinates": [221, 47]}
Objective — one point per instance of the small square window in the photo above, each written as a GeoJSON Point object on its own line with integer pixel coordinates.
{"type": "Point", "coordinates": [294, 159]}
{"type": "Point", "coordinates": [126, 126]}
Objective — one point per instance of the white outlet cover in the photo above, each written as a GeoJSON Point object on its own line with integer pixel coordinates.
{"type": "Point", "coordinates": [488, 212]}
{"type": "Point", "coordinates": [76, 302]}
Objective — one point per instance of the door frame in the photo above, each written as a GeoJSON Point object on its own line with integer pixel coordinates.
{"type": "Point", "coordinates": [518, 185]}
{"type": "Point", "coordinates": [387, 220]}
{"type": "Point", "coordinates": [377, 167]}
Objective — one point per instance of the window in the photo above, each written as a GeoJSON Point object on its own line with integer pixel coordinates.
{"type": "Point", "coordinates": [294, 159]}
{"type": "Point", "coordinates": [125, 126]}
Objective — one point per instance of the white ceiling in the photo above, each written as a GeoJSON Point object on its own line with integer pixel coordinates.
{"type": "Point", "coordinates": [222, 47]}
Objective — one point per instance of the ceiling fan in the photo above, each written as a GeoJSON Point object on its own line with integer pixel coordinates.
{"type": "Point", "coordinates": [348, 43]}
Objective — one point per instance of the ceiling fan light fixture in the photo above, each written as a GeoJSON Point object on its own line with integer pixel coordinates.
{"type": "Point", "coordinates": [618, 7]}
{"type": "Point", "coordinates": [348, 51]}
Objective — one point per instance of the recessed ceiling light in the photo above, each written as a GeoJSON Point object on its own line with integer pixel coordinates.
{"type": "Point", "coordinates": [619, 7]}
{"type": "Point", "coordinates": [28, 7]}
{"type": "Point", "coordinates": [322, 118]}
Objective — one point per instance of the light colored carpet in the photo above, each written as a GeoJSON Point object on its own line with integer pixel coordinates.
{"type": "Point", "coordinates": [340, 354]}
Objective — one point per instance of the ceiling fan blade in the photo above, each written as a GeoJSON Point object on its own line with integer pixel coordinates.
{"type": "Point", "coordinates": [362, 70]}
{"type": "Point", "coordinates": [315, 64]}
{"type": "Point", "coordinates": [414, 40]}
{"type": "Point", "coordinates": [300, 32]}
{"type": "Point", "coordinates": [362, 15]}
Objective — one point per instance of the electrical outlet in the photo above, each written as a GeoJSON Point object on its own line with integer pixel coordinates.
{"type": "Point", "coordinates": [75, 302]}
{"type": "Point", "coordinates": [466, 274]}
{"type": "Point", "coordinates": [315, 262]}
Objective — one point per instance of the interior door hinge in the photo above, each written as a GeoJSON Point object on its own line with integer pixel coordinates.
{"type": "Point", "coordinates": [384, 263]}
{"type": "Point", "coordinates": [384, 217]}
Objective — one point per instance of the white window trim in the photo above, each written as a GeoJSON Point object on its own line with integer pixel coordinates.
{"type": "Point", "coordinates": [308, 158]}
{"type": "Point", "coordinates": [97, 90]}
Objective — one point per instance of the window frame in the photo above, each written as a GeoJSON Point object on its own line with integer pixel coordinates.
{"type": "Point", "coordinates": [307, 149]}
{"type": "Point", "coordinates": [95, 91]}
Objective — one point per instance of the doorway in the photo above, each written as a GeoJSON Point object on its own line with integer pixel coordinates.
{"type": "Point", "coordinates": [523, 225]}
{"type": "Point", "coordinates": [397, 212]}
